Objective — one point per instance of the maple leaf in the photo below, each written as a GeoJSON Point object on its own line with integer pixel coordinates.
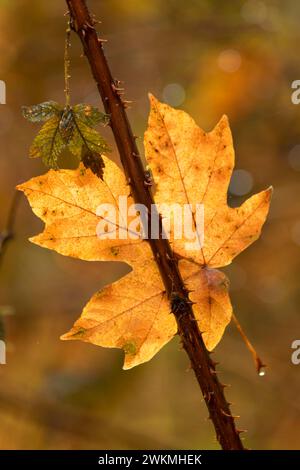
{"type": "Point", "coordinates": [126, 315]}
{"type": "Point", "coordinates": [193, 167]}
{"type": "Point", "coordinates": [189, 166]}
{"type": "Point", "coordinates": [69, 126]}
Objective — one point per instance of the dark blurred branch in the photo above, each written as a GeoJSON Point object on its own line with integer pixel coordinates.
{"type": "Point", "coordinates": [219, 412]}
{"type": "Point", "coordinates": [7, 233]}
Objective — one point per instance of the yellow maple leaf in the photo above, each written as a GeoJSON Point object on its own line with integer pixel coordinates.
{"type": "Point", "coordinates": [189, 167]}
{"type": "Point", "coordinates": [193, 167]}
{"type": "Point", "coordinates": [132, 314]}
{"type": "Point", "coordinates": [67, 201]}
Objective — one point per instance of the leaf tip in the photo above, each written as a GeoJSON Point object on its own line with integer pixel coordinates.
{"type": "Point", "coordinates": [74, 333]}
{"type": "Point", "coordinates": [68, 336]}
{"type": "Point", "coordinates": [38, 240]}
{"type": "Point", "coordinates": [268, 193]}
{"type": "Point", "coordinates": [131, 361]}
{"type": "Point", "coordinates": [34, 240]}
{"type": "Point", "coordinates": [20, 187]}
{"type": "Point", "coordinates": [65, 337]}
{"type": "Point", "coordinates": [224, 118]}
{"type": "Point", "coordinates": [222, 125]}
{"type": "Point", "coordinates": [152, 99]}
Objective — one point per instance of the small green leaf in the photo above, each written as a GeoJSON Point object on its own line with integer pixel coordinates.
{"type": "Point", "coordinates": [41, 112]}
{"type": "Point", "coordinates": [89, 115]}
{"type": "Point", "coordinates": [49, 143]}
{"type": "Point", "coordinates": [87, 137]}
{"type": "Point", "coordinates": [68, 126]}
{"type": "Point", "coordinates": [93, 160]}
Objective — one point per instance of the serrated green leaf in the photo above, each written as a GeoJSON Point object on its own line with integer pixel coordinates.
{"type": "Point", "coordinates": [89, 115]}
{"type": "Point", "coordinates": [67, 126]}
{"type": "Point", "coordinates": [41, 112]}
{"type": "Point", "coordinates": [48, 143]}
{"type": "Point", "coordinates": [85, 136]}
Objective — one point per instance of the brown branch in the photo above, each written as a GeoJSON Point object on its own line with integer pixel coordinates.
{"type": "Point", "coordinates": [202, 364]}
{"type": "Point", "coordinates": [7, 233]}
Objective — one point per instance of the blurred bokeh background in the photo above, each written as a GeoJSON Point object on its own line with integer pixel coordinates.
{"type": "Point", "coordinates": [207, 57]}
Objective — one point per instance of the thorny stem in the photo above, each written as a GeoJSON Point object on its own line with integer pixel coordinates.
{"type": "Point", "coordinates": [67, 75]}
{"type": "Point", "coordinates": [191, 338]}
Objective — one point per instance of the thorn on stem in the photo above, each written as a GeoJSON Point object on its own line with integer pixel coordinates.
{"type": "Point", "coordinates": [87, 26]}
{"type": "Point", "coordinates": [126, 103]}
{"type": "Point", "coordinates": [94, 19]}
{"type": "Point", "coordinates": [240, 431]}
{"type": "Point", "coordinates": [227, 414]}
{"type": "Point", "coordinates": [116, 88]}
{"type": "Point", "coordinates": [224, 385]}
